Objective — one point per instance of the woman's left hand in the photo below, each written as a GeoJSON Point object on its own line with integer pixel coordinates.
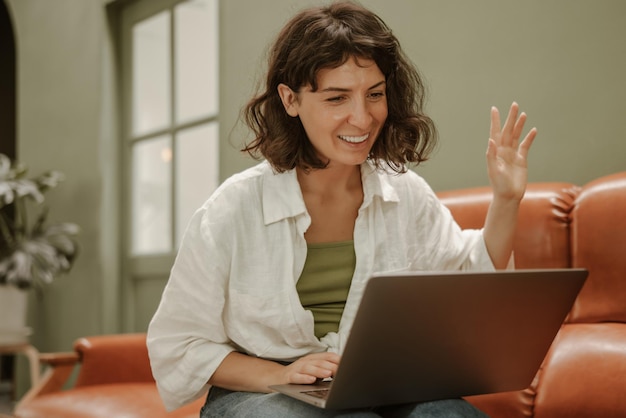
{"type": "Point", "coordinates": [506, 156]}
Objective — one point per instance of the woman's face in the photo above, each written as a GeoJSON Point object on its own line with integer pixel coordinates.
{"type": "Point", "coordinates": [343, 118]}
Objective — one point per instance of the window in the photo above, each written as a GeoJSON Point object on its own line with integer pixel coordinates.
{"type": "Point", "coordinates": [170, 130]}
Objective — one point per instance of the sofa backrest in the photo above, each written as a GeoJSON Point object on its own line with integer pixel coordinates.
{"type": "Point", "coordinates": [564, 225]}
{"type": "Point", "coordinates": [599, 244]}
{"type": "Point", "coordinates": [543, 234]}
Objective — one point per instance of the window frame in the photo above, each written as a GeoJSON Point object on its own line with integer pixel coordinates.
{"type": "Point", "coordinates": [139, 267]}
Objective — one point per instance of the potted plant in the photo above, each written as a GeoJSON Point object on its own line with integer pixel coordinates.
{"type": "Point", "coordinates": [32, 253]}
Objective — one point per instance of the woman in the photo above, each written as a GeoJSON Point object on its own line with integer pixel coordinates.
{"type": "Point", "coordinates": [272, 267]}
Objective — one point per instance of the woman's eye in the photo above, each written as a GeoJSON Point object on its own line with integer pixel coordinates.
{"type": "Point", "coordinates": [336, 99]}
{"type": "Point", "coordinates": [376, 95]}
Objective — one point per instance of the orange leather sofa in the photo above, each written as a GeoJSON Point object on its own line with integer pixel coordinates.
{"type": "Point", "coordinates": [114, 380]}
{"type": "Point", "coordinates": [564, 225]}
{"type": "Point", "coordinates": [560, 225]}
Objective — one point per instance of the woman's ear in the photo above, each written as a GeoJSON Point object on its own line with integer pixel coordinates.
{"type": "Point", "coordinates": [289, 99]}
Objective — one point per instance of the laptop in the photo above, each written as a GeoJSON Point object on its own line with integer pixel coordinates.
{"type": "Point", "coordinates": [426, 336]}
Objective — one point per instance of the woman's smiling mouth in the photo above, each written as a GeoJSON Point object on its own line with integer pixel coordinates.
{"type": "Point", "coordinates": [354, 139]}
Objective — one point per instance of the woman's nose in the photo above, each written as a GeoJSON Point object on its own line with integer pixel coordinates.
{"type": "Point", "coordinates": [360, 115]}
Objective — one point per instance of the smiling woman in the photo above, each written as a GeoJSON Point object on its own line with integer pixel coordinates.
{"type": "Point", "coordinates": [343, 117]}
{"type": "Point", "coordinates": [250, 302]}
{"type": "Point", "coordinates": [326, 42]}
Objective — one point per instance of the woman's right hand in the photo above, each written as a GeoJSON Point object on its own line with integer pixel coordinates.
{"type": "Point", "coordinates": [241, 372]}
{"type": "Point", "coordinates": [308, 369]}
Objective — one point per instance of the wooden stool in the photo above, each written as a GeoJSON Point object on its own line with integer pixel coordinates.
{"type": "Point", "coordinates": [30, 352]}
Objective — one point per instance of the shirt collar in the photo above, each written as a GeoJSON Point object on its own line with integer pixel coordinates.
{"type": "Point", "coordinates": [282, 197]}
{"type": "Point", "coordinates": [376, 184]}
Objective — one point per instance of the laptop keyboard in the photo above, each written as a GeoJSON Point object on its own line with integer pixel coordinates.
{"type": "Point", "coordinates": [318, 393]}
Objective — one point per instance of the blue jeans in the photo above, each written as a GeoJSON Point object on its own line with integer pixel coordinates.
{"type": "Point", "coordinates": [222, 403]}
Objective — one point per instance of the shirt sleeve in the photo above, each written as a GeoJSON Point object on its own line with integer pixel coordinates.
{"type": "Point", "coordinates": [186, 337]}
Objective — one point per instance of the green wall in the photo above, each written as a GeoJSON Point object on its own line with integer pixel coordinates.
{"type": "Point", "coordinates": [562, 60]}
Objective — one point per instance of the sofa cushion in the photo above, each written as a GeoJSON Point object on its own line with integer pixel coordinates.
{"type": "Point", "coordinates": [122, 400]}
{"type": "Point", "coordinates": [584, 374]}
{"type": "Point", "coordinates": [518, 404]}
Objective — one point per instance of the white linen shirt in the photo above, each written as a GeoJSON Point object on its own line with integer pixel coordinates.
{"type": "Point", "coordinates": [232, 286]}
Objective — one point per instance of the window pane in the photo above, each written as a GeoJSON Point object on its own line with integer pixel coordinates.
{"type": "Point", "coordinates": [196, 26]}
{"type": "Point", "coordinates": [151, 196]}
{"type": "Point", "coordinates": [197, 171]}
{"type": "Point", "coordinates": [151, 74]}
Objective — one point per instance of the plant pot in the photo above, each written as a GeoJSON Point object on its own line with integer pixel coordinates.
{"type": "Point", "coordinates": [13, 304]}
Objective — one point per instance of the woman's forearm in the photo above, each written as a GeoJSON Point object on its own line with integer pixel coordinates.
{"type": "Point", "coordinates": [241, 372]}
{"type": "Point", "coordinates": [499, 231]}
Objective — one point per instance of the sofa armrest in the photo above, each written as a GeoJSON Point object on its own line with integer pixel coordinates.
{"type": "Point", "coordinates": [59, 367]}
{"type": "Point", "coordinates": [105, 359]}
{"type": "Point", "coordinates": [117, 358]}
{"type": "Point", "coordinates": [58, 359]}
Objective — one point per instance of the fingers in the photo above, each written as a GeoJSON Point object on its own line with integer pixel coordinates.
{"type": "Point", "coordinates": [302, 379]}
{"type": "Point", "coordinates": [312, 367]}
{"type": "Point", "coordinates": [491, 149]}
{"type": "Point", "coordinates": [494, 131]}
{"type": "Point", "coordinates": [511, 132]}
{"type": "Point", "coordinates": [510, 124]}
{"type": "Point", "coordinates": [517, 129]}
{"type": "Point", "coordinates": [527, 142]}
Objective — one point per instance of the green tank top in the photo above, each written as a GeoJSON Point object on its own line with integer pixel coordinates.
{"type": "Point", "coordinates": [325, 281]}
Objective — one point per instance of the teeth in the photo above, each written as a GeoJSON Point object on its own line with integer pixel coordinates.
{"type": "Point", "coordinates": [354, 139]}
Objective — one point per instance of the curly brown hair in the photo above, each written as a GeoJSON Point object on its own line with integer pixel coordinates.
{"type": "Point", "coordinates": [326, 37]}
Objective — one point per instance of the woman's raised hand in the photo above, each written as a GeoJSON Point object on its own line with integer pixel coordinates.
{"type": "Point", "coordinates": [507, 156]}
